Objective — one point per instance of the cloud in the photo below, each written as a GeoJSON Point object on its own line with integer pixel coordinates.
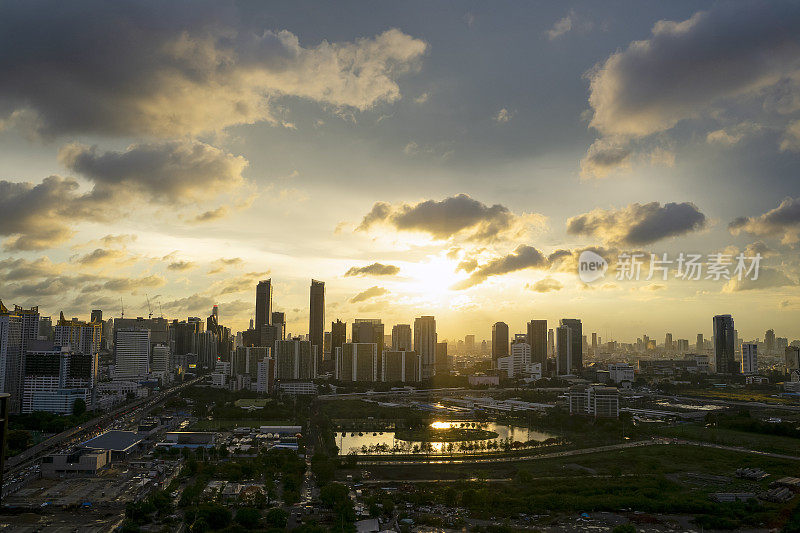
{"type": "Point", "coordinates": [174, 172]}
{"type": "Point", "coordinates": [100, 256]}
{"type": "Point", "coordinates": [195, 304]}
{"type": "Point", "coordinates": [214, 214]}
{"type": "Point", "coordinates": [372, 292]}
{"type": "Point", "coordinates": [562, 26]}
{"type": "Point", "coordinates": [733, 135]}
{"type": "Point", "coordinates": [241, 283]}
{"type": "Point", "coordinates": [36, 217]}
{"type": "Point", "coordinates": [181, 266]}
{"type": "Point", "coordinates": [604, 157]}
{"type": "Point", "coordinates": [791, 139]}
{"type": "Point", "coordinates": [783, 220]}
{"type": "Point", "coordinates": [457, 216]}
{"type": "Point", "coordinates": [768, 278]}
{"type": "Point", "coordinates": [503, 116]}
{"type": "Point", "coordinates": [638, 224]}
{"type": "Point", "coordinates": [546, 285]}
{"type": "Point", "coordinates": [375, 269]}
{"type": "Point", "coordinates": [522, 257]}
{"type": "Point", "coordinates": [196, 67]}
{"type": "Point", "coordinates": [127, 284]}
{"type": "Point", "coordinates": [24, 269]}
{"type": "Point", "coordinates": [685, 68]}
{"type": "Point", "coordinates": [220, 265]}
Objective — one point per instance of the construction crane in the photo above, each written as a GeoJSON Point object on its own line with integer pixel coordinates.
{"type": "Point", "coordinates": [149, 307]}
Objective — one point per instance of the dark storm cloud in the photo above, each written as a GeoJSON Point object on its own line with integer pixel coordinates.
{"type": "Point", "coordinates": [176, 68]}
{"type": "Point", "coordinates": [638, 224]}
{"type": "Point", "coordinates": [375, 269]}
{"type": "Point", "coordinates": [522, 257]}
{"type": "Point", "coordinates": [372, 292]}
{"type": "Point", "coordinates": [181, 266]}
{"type": "Point", "coordinates": [170, 172]}
{"type": "Point", "coordinates": [783, 220]}
{"type": "Point", "coordinates": [458, 215]}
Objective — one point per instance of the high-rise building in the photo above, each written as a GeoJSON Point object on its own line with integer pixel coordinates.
{"type": "Point", "coordinates": [97, 315]}
{"type": "Point", "coordinates": [769, 341]}
{"type": "Point", "coordinates": [263, 303]}
{"type": "Point", "coordinates": [668, 346]}
{"type": "Point", "coordinates": [792, 358]}
{"type": "Point", "coordinates": [519, 360]}
{"type": "Point", "coordinates": [499, 341]}
{"type": "Point", "coordinates": [21, 330]}
{"type": "Point", "coordinates": [295, 359]}
{"type": "Point", "coordinates": [551, 343]}
{"type": "Point", "coordinates": [425, 344]}
{"type": "Point", "coordinates": [158, 327]}
{"type": "Point", "coordinates": [564, 345]}
{"type": "Point", "coordinates": [83, 337]}
{"type": "Point", "coordinates": [401, 366]}
{"type": "Point", "coordinates": [401, 337]}
{"type": "Point", "coordinates": [700, 343]}
{"type": "Point", "coordinates": [469, 344]}
{"type": "Point", "coordinates": [246, 358]}
{"type": "Point", "coordinates": [265, 377]}
{"type": "Point", "coordinates": [442, 365]}
{"type": "Point", "coordinates": [338, 336]}
{"type": "Point", "coordinates": [131, 353]}
{"type": "Point", "coordinates": [749, 358]}
{"type": "Point", "coordinates": [574, 324]}
{"type": "Point", "coordinates": [316, 318]}
{"type": "Point", "coordinates": [594, 343]}
{"type": "Point", "coordinates": [725, 345]}
{"type": "Point", "coordinates": [183, 336]}
{"type": "Point", "coordinates": [162, 359]}
{"type": "Point", "coordinates": [357, 361]}
{"type": "Point", "coordinates": [55, 377]}
{"type": "Point", "coordinates": [537, 340]}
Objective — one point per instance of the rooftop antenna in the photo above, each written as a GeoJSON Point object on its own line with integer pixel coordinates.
{"type": "Point", "coordinates": [122, 307]}
{"type": "Point", "coordinates": [160, 309]}
{"type": "Point", "coordinates": [149, 307]}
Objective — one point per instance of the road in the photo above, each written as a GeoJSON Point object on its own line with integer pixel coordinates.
{"type": "Point", "coordinates": [570, 453]}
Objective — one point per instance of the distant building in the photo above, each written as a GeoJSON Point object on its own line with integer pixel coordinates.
{"type": "Point", "coordinates": [749, 358]}
{"type": "Point", "coordinates": [162, 359]}
{"type": "Point", "coordinates": [425, 339]}
{"type": "Point", "coordinates": [263, 304]}
{"type": "Point", "coordinates": [357, 362]}
{"type": "Point", "coordinates": [619, 372]}
{"type": "Point", "coordinates": [594, 400]}
{"type": "Point", "coordinates": [80, 463]}
{"type": "Point", "coordinates": [792, 358]}
{"type": "Point", "coordinates": [265, 375]}
{"type": "Point", "coordinates": [83, 337]}
{"type": "Point", "coordinates": [576, 335]}
{"type": "Point", "coordinates": [499, 341]}
{"type": "Point", "coordinates": [316, 319]}
{"type": "Point", "coordinates": [296, 388]}
{"type": "Point", "coordinates": [401, 366]}
{"type": "Point", "coordinates": [338, 336]}
{"type": "Point", "coordinates": [442, 359]}
{"type": "Point", "coordinates": [564, 347]}
{"type": "Point", "coordinates": [131, 353]}
{"type": "Point", "coordinates": [295, 359]}
{"type": "Point", "coordinates": [725, 345]}
{"type": "Point", "coordinates": [401, 338]}
{"type": "Point", "coordinates": [537, 340]}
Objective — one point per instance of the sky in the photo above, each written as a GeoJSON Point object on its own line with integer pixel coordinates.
{"type": "Point", "coordinates": [450, 159]}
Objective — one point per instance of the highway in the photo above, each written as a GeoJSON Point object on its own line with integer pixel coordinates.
{"type": "Point", "coordinates": [21, 466]}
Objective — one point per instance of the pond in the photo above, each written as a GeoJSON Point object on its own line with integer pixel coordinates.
{"type": "Point", "coordinates": [385, 442]}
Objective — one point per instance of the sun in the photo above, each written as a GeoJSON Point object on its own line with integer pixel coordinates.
{"type": "Point", "coordinates": [433, 279]}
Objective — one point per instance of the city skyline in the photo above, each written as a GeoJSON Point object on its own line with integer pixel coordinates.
{"type": "Point", "coordinates": [418, 175]}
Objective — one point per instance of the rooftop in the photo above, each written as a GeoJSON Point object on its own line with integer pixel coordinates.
{"type": "Point", "coordinates": [113, 440]}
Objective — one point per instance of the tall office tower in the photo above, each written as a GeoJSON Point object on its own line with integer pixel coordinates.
{"type": "Point", "coordinates": [700, 343]}
{"type": "Point", "coordinates": [574, 324]}
{"type": "Point", "coordinates": [326, 346]}
{"type": "Point", "coordinates": [594, 343]}
{"type": "Point", "coordinates": [537, 340]}
{"type": "Point", "coordinates": [357, 361]}
{"type": "Point", "coordinates": [469, 344]}
{"type": "Point", "coordinates": [162, 359]}
{"type": "Point", "coordinates": [24, 331]}
{"type": "Point", "coordinates": [158, 327]}
{"type": "Point", "coordinates": [792, 358]}
{"type": "Point", "coordinates": [245, 361]}
{"type": "Point", "coordinates": [369, 330]}
{"type": "Point", "coordinates": [683, 345]}
{"type": "Point", "coordinates": [646, 342]}
{"type": "Point", "coordinates": [749, 358]}
{"type": "Point", "coordinates": [265, 375]}
{"type": "Point", "coordinates": [207, 349]}
{"type": "Point", "coordinates": [97, 315]}
{"type": "Point", "coordinates": [425, 344]}
{"type": "Point", "coordinates": [499, 341]}
{"type": "Point", "coordinates": [769, 340]}
{"type": "Point", "coordinates": [442, 360]}
{"type": "Point", "coordinates": [53, 380]}
{"type": "Point", "coordinates": [263, 303]}
{"type": "Point", "coordinates": [564, 345]}
{"type": "Point", "coordinates": [401, 338]}
{"type": "Point", "coordinates": [551, 343]}
{"type": "Point", "coordinates": [83, 337]}
{"type": "Point", "coordinates": [724, 345]}
{"type": "Point", "coordinates": [295, 359]}
{"type": "Point", "coordinates": [338, 335]}
{"type": "Point", "coordinates": [10, 347]}
{"type": "Point", "coordinates": [316, 318]}
{"type": "Point", "coordinates": [131, 353]}
{"type": "Point", "coordinates": [184, 336]}
{"type": "Point", "coordinates": [668, 346]}
{"type": "Point", "coordinates": [519, 359]}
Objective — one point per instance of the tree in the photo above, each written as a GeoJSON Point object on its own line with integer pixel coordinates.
{"type": "Point", "coordinates": [79, 407]}
{"type": "Point", "coordinates": [248, 517]}
{"type": "Point", "coordinates": [276, 517]}
{"type": "Point", "coordinates": [19, 439]}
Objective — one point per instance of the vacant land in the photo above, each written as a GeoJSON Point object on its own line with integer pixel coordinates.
{"type": "Point", "coordinates": [251, 402]}
{"type": "Point", "coordinates": [732, 437]}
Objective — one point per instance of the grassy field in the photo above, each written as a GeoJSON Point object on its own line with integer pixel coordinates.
{"type": "Point", "coordinates": [730, 437]}
{"type": "Point", "coordinates": [252, 402]}
{"type": "Point", "coordinates": [738, 396]}
{"type": "Point", "coordinates": [228, 424]}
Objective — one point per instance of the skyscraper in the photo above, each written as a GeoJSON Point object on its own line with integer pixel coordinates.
{"type": "Point", "coordinates": [700, 344]}
{"type": "Point", "coordinates": [749, 358]}
{"type": "Point", "coordinates": [574, 324]}
{"type": "Point", "coordinates": [499, 341]}
{"type": "Point", "coordinates": [668, 342]}
{"type": "Point", "coordinates": [131, 353]}
{"type": "Point", "coordinates": [564, 346]}
{"type": "Point", "coordinates": [338, 336]}
{"type": "Point", "coordinates": [769, 340]}
{"type": "Point", "coordinates": [725, 345]}
{"type": "Point", "coordinates": [401, 338]}
{"type": "Point", "coordinates": [425, 344]}
{"type": "Point", "coordinates": [97, 315]}
{"type": "Point", "coordinates": [84, 338]}
{"type": "Point", "coordinates": [537, 339]}
{"type": "Point", "coordinates": [316, 318]}
{"type": "Point", "coordinates": [263, 303]}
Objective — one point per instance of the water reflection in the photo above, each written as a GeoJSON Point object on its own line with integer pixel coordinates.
{"type": "Point", "coordinates": [374, 442]}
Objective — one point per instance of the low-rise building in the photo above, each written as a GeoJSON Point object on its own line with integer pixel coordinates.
{"type": "Point", "coordinates": [82, 463]}
{"type": "Point", "coordinates": [594, 400]}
